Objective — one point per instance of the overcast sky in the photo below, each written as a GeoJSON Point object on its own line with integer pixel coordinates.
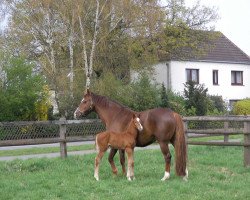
{"type": "Point", "coordinates": [234, 20]}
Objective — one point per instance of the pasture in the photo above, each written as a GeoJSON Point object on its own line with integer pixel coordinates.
{"type": "Point", "coordinates": [215, 173]}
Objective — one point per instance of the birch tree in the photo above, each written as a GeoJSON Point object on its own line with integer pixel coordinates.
{"type": "Point", "coordinates": [74, 42]}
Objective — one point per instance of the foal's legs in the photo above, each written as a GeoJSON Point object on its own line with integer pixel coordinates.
{"type": "Point", "coordinates": [122, 160]}
{"type": "Point", "coordinates": [97, 164]}
{"type": "Point", "coordinates": [111, 160]}
{"type": "Point", "coordinates": [167, 156]}
{"type": "Point", "coordinates": [130, 172]}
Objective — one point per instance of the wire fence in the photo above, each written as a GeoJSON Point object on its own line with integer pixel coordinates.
{"type": "Point", "coordinates": [35, 131]}
{"type": "Point", "coordinates": [63, 131]}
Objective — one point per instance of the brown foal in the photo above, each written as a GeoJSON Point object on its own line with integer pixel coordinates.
{"type": "Point", "coordinates": [125, 140]}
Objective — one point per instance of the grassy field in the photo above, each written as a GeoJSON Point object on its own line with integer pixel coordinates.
{"type": "Point", "coordinates": [215, 173]}
{"type": "Point", "coordinates": [40, 150]}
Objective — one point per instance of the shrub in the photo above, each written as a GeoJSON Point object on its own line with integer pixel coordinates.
{"type": "Point", "coordinates": [242, 107]}
{"type": "Point", "coordinates": [144, 94]}
{"type": "Point", "coordinates": [196, 96]}
{"type": "Point", "coordinates": [218, 105]}
{"type": "Point", "coordinates": [139, 95]}
{"type": "Point", "coordinates": [176, 102]}
{"type": "Point", "coordinates": [20, 91]}
{"type": "Point", "coordinates": [164, 97]}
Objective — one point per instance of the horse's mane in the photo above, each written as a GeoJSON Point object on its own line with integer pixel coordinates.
{"type": "Point", "coordinates": [105, 101]}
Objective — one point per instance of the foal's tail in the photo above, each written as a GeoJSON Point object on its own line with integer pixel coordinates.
{"type": "Point", "coordinates": [180, 147]}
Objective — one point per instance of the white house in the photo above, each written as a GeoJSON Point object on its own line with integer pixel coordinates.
{"type": "Point", "coordinates": [224, 70]}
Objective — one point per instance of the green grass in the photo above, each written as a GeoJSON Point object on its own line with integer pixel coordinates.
{"type": "Point", "coordinates": [39, 150]}
{"type": "Point", "coordinates": [217, 138]}
{"type": "Point", "coordinates": [215, 173]}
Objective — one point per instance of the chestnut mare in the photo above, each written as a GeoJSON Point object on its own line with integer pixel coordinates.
{"type": "Point", "coordinates": [159, 124]}
{"type": "Point", "coordinates": [125, 140]}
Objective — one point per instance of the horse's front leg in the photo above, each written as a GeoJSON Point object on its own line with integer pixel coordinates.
{"type": "Point", "coordinates": [97, 164]}
{"type": "Point", "coordinates": [111, 160]}
{"type": "Point", "coordinates": [167, 156]}
{"type": "Point", "coordinates": [122, 160]}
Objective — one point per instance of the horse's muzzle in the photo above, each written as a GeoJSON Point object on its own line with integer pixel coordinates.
{"type": "Point", "coordinates": [77, 113]}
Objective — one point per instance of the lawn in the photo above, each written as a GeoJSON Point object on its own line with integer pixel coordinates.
{"type": "Point", "coordinates": [41, 150]}
{"type": "Point", "coordinates": [215, 173]}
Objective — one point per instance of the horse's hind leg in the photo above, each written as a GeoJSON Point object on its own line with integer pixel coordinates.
{"type": "Point", "coordinates": [122, 160]}
{"type": "Point", "coordinates": [111, 160]}
{"type": "Point", "coordinates": [167, 156]}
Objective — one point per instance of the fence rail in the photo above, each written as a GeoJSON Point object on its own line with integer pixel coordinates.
{"type": "Point", "coordinates": [63, 131]}
{"type": "Point", "coordinates": [220, 126]}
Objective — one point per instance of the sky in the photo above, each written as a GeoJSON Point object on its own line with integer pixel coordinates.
{"type": "Point", "coordinates": [234, 20]}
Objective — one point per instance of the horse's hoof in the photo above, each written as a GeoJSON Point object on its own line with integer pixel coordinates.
{"type": "Point", "coordinates": [129, 178]}
{"type": "Point", "coordinates": [166, 176]}
{"type": "Point", "coordinates": [96, 178]}
{"type": "Point", "coordinates": [185, 178]}
{"type": "Point", "coordinates": [115, 172]}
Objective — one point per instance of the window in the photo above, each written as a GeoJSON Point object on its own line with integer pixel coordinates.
{"type": "Point", "coordinates": [237, 77]}
{"type": "Point", "coordinates": [192, 75]}
{"type": "Point", "coordinates": [215, 77]}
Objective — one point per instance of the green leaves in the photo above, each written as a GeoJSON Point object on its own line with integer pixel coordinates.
{"type": "Point", "coordinates": [196, 97]}
{"type": "Point", "coordinates": [21, 90]}
{"type": "Point", "coordinates": [242, 107]}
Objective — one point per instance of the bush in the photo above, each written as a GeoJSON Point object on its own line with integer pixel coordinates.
{"type": "Point", "coordinates": [176, 102]}
{"type": "Point", "coordinates": [139, 95]}
{"type": "Point", "coordinates": [144, 95]}
{"type": "Point", "coordinates": [196, 96]}
{"type": "Point", "coordinates": [164, 97]}
{"type": "Point", "coordinates": [218, 105]}
{"type": "Point", "coordinates": [242, 107]}
{"type": "Point", "coordinates": [20, 91]}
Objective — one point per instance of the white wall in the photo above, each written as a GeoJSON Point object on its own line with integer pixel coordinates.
{"type": "Point", "coordinates": [224, 88]}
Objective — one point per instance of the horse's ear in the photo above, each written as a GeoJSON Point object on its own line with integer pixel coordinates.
{"type": "Point", "coordinates": [88, 91]}
{"type": "Point", "coordinates": [134, 115]}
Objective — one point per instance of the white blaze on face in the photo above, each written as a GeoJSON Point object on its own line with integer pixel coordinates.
{"type": "Point", "coordinates": [82, 100]}
{"type": "Point", "coordinates": [139, 126]}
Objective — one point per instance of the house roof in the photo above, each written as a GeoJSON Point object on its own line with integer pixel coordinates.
{"type": "Point", "coordinates": [221, 50]}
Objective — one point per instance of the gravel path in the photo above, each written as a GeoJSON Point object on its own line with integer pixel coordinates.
{"type": "Point", "coordinates": [53, 155]}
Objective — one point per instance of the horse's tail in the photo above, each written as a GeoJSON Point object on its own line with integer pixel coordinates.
{"type": "Point", "coordinates": [180, 147]}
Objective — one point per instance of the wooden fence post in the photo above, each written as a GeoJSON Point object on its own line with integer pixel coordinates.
{"type": "Point", "coordinates": [63, 145]}
{"type": "Point", "coordinates": [226, 137]}
{"type": "Point", "coordinates": [247, 141]}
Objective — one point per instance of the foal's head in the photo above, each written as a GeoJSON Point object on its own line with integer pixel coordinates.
{"type": "Point", "coordinates": [86, 105]}
{"type": "Point", "coordinates": [137, 122]}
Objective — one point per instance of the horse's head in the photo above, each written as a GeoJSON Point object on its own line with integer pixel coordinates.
{"type": "Point", "coordinates": [86, 105]}
{"type": "Point", "coordinates": [137, 122]}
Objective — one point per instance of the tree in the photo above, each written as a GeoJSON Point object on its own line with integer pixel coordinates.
{"type": "Point", "coordinates": [217, 103]}
{"type": "Point", "coordinates": [164, 97]}
{"type": "Point", "coordinates": [145, 94]}
{"type": "Point", "coordinates": [198, 17]}
{"type": "Point", "coordinates": [196, 97]}
{"type": "Point", "coordinates": [20, 91]}
{"type": "Point", "coordinates": [71, 39]}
